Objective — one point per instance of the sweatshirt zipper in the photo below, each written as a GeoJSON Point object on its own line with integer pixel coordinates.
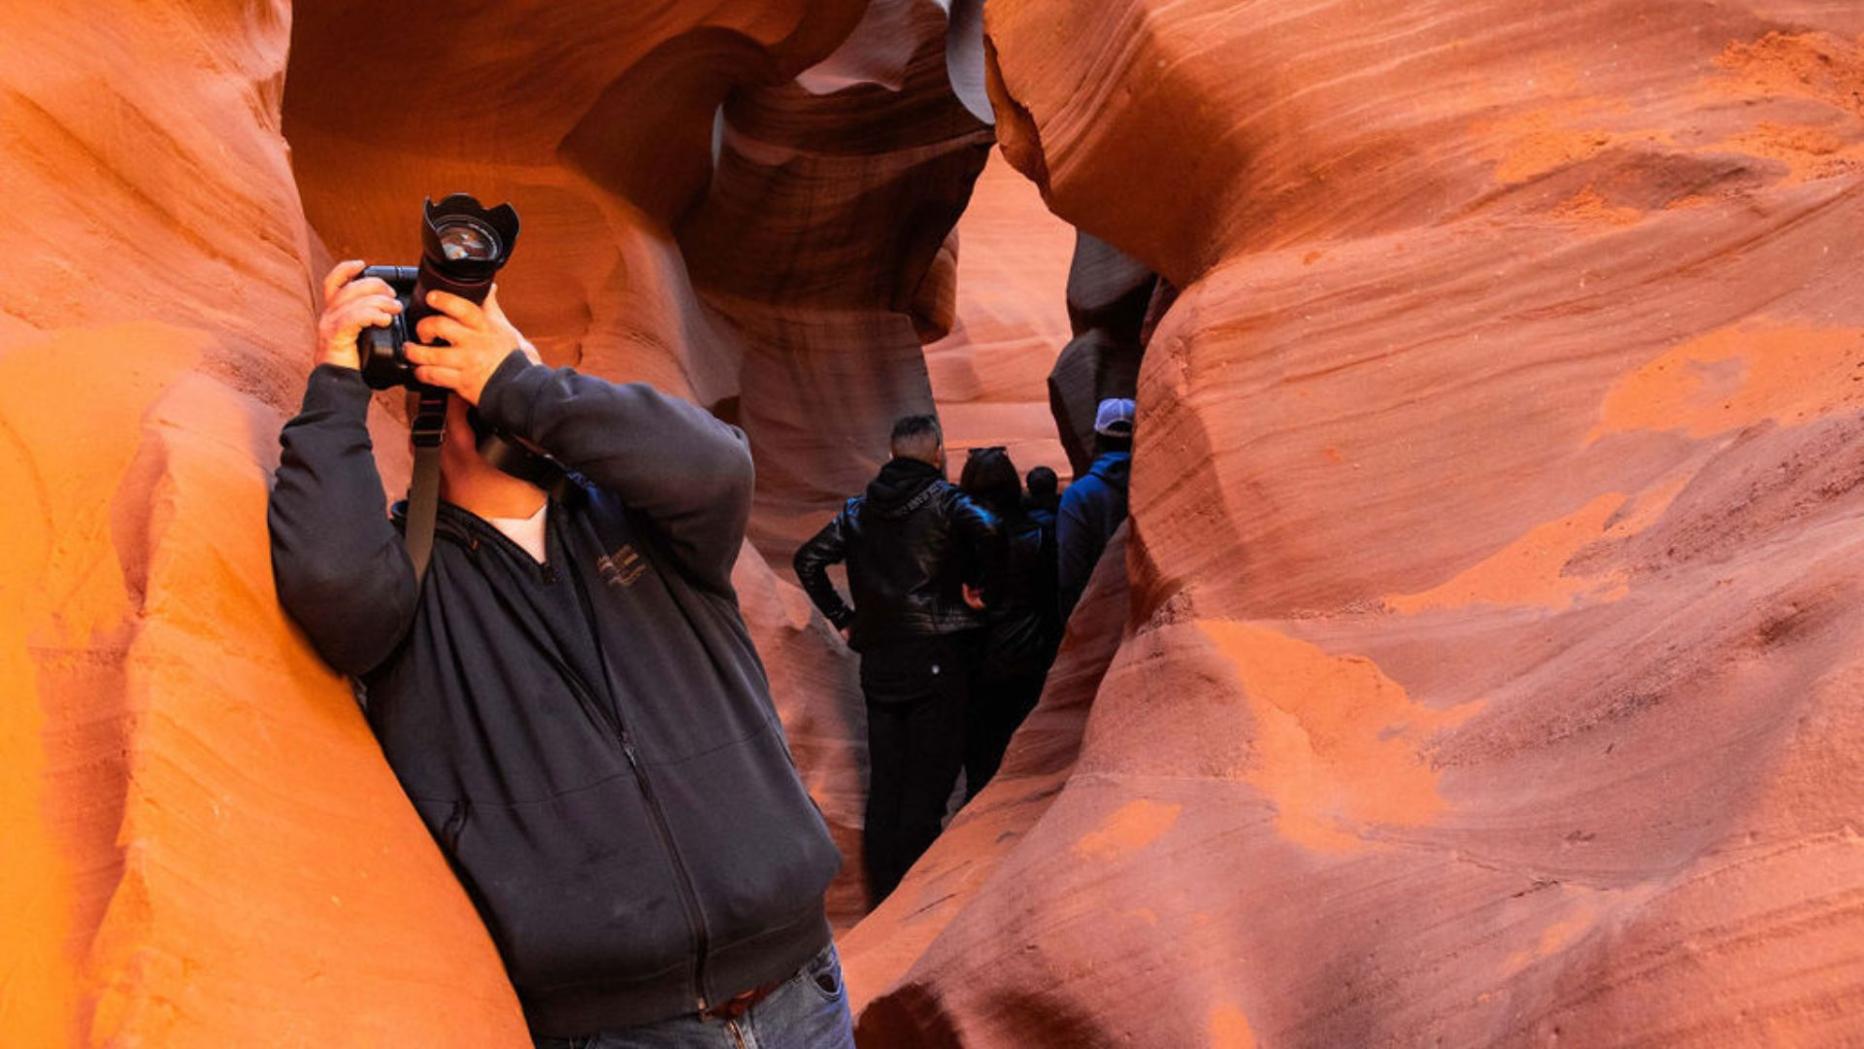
{"type": "Point", "coordinates": [689, 896]}
{"type": "Point", "coordinates": [611, 719]}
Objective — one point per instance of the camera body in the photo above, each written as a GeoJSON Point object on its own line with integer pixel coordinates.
{"type": "Point", "coordinates": [463, 246]}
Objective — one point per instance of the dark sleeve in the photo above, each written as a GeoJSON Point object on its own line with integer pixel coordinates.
{"type": "Point", "coordinates": [667, 459]}
{"type": "Point", "coordinates": [812, 559]}
{"type": "Point", "coordinates": [1049, 569]}
{"type": "Point", "coordinates": [1077, 548]}
{"type": "Point", "coordinates": [339, 565]}
{"type": "Point", "coordinates": [981, 537]}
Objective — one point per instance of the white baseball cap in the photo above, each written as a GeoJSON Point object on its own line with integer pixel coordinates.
{"type": "Point", "coordinates": [1115, 417]}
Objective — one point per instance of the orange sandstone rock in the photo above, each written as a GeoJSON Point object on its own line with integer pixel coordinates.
{"type": "Point", "coordinates": [1496, 638]}
{"type": "Point", "coordinates": [202, 844]}
{"type": "Point", "coordinates": [819, 243]}
{"type": "Point", "coordinates": [988, 374]}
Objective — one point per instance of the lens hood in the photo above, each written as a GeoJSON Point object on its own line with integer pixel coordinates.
{"type": "Point", "coordinates": [498, 226]}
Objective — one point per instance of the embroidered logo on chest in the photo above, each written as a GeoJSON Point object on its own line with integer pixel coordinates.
{"type": "Point", "coordinates": [624, 567]}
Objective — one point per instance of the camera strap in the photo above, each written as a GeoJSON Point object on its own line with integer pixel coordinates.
{"type": "Point", "coordinates": [430, 425]}
{"type": "Point", "coordinates": [515, 460]}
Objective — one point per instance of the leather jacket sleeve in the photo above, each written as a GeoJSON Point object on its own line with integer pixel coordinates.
{"type": "Point", "coordinates": [812, 559]}
{"type": "Point", "coordinates": [980, 537]}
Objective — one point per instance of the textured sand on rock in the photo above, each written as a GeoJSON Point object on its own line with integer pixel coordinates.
{"type": "Point", "coordinates": [203, 845]}
{"type": "Point", "coordinates": [1495, 555]}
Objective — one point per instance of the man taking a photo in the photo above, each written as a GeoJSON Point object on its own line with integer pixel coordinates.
{"type": "Point", "coordinates": [569, 697]}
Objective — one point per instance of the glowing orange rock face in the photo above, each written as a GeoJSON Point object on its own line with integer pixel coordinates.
{"type": "Point", "coordinates": [203, 846]}
{"type": "Point", "coordinates": [1496, 638]}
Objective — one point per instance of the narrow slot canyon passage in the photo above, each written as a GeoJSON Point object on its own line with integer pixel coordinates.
{"type": "Point", "coordinates": [1480, 662]}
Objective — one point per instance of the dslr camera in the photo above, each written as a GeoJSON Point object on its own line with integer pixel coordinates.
{"type": "Point", "coordinates": [463, 246]}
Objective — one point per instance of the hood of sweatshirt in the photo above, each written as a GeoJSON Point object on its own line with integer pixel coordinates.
{"type": "Point", "coordinates": [900, 486]}
{"type": "Point", "coordinates": [1113, 467]}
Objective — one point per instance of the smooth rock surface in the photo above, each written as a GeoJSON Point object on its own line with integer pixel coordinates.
{"type": "Point", "coordinates": [822, 242]}
{"type": "Point", "coordinates": [988, 374]}
{"type": "Point", "coordinates": [1497, 649]}
{"type": "Point", "coordinates": [202, 844]}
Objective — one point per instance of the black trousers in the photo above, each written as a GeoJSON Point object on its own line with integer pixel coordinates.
{"type": "Point", "coordinates": [998, 705]}
{"type": "Point", "coordinates": [916, 694]}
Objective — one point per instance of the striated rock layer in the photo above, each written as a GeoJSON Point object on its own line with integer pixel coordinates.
{"type": "Point", "coordinates": [988, 373]}
{"type": "Point", "coordinates": [819, 242]}
{"type": "Point", "coordinates": [203, 846]}
{"type": "Point", "coordinates": [1497, 632]}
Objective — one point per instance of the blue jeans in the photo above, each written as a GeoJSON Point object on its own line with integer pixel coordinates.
{"type": "Point", "coordinates": [807, 1011]}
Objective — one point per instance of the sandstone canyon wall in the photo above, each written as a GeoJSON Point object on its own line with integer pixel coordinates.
{"type": "Point", "coordinates": [1011, 322]}
{"type": "Point", "coordinates": [1483, 662]}
{"type": "Point", "coordinates": [1494, 672]}
{"type": "Point", "coordinates": [202, 844]}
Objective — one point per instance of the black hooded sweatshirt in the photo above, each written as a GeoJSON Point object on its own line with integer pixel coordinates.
{"type": "Point", "coordinates": [590, 740]}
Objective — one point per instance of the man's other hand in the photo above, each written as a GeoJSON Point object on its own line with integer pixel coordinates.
{"type": "Point", "coordinates": [350, 305]}
{"type": "Point", "coordinates": [974, 597]}
{"type": "Point", "coordinates": [478, 341]}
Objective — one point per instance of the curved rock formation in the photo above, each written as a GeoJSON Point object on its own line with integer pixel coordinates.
{"type": "Point", "coordinates": [1011, 318]}
{"type": "Point", "coordinates": [820, 240]}
{"type": "Point", "coordinates": [203, 846]}
{"type": "Point", "coordinates": [1497, 639]}
{"type": "Point", "coordinates": [1109, 295]}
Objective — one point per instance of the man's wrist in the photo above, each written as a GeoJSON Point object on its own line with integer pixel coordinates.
{"type": "Point", "coordinates": [494, 397]}
{"type": "Point", "coordinates": [341, 357]}
{"type": "Point", "coordinates": [338, 389]}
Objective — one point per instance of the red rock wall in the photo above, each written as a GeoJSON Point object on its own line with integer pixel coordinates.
{"type": "Point", "coordinates": [818, 244]}
{"type": "Point", "coordinates": [1011, 318]}
{"type": "Point", "coordinates": [1489, 669]}
{"type": "Point", "coordinates": [203, 846]}
{"type": "Point", "coordinates": [1494, 668]}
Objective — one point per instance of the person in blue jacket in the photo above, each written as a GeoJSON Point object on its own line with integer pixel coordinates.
{"type": "Point", "coordinates": [1093, 506]}
{"type": "Point", "coordinates": [569, 696]}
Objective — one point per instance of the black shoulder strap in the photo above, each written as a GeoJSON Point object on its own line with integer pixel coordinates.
{"type": "Point", "coordinates": [430, 423]}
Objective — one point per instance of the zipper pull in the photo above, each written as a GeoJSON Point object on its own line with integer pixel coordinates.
{"type": "Point", "coordinates": [627, 747]}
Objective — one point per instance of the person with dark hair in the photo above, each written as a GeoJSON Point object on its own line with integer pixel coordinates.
{"type": "Point", "coordinates": [1044, 494]}
{"type": "Point", "coordinates": [1094, 505]}
{"type": "Point", "coordinates": [1019, 643]}
{"type": "Point", "coordinates": [918, 553]}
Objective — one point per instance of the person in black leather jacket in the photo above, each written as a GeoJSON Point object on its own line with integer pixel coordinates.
{"type": "Point", "coordinates": [1020, 629]}
{"type": "Point", "coordinates": [918, 552]}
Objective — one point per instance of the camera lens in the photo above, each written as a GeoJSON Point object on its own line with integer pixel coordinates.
{"type": "Point", "coordinates": [467, 240]}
